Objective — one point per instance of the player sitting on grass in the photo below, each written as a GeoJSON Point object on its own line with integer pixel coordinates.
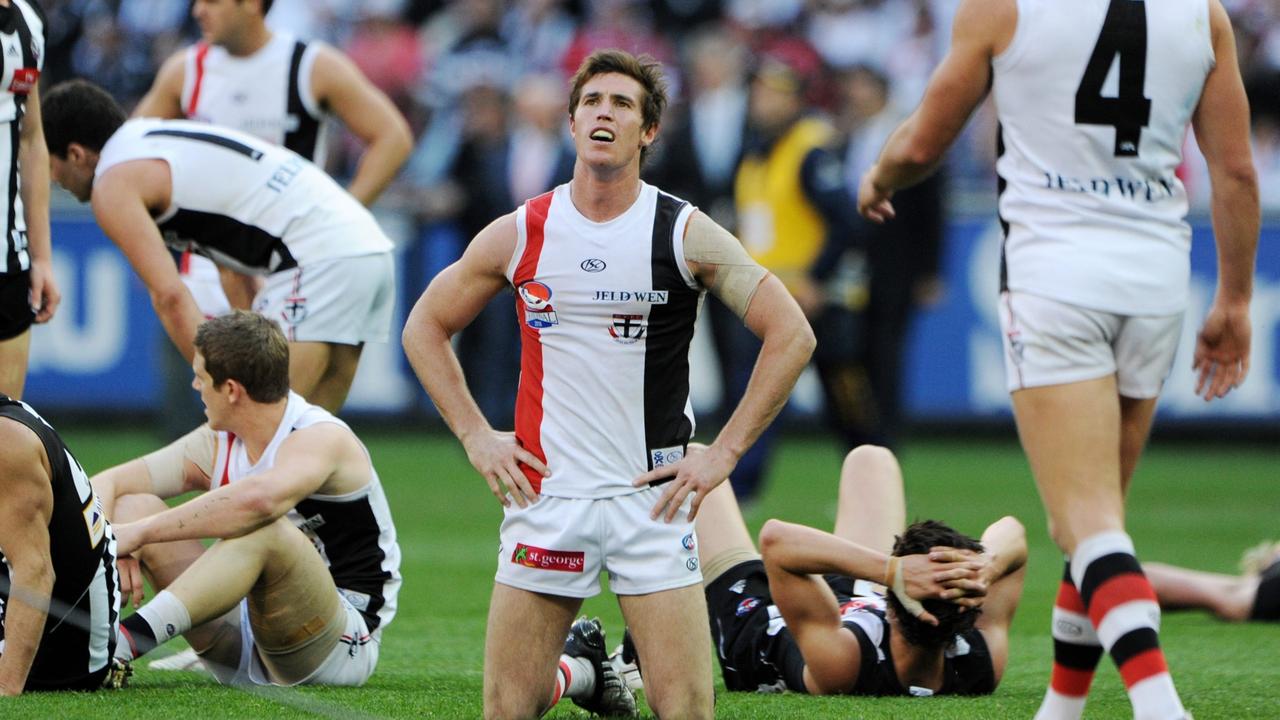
{"type": "Point", "coordinates": [858, 611]}
{"type": "Point", "coordinates": [1252, 595]}
{"type": "Point", "coordinates": [306, 568]}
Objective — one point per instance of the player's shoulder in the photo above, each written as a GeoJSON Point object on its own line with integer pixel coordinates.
{"type": "Point", "coordinates": [21, 447]}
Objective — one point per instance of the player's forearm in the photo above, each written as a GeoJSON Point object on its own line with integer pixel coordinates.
{"type": "Point", "coordinates": [905, 160]}
{"type": "Point", "coordinates": [380, 163]}
{"type": "Point", "coordinates": [1005, 543]}
{"type": "Point", "coordinates": [227, 512]}
{"type": "Point", "coordinates": [25, 613]}
{"type": "Point", "coordinates": [802, 550]}
{"type": "Point", "coordinates": [33, 164]}
{"type": "Point", "coordinates": [783, 356]}
{"type": "Point", "coordinates": [1236, 223]}
{"type": "Point", "coordinates": [180, 317]}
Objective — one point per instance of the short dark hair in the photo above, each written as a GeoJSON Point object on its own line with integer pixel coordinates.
{"type": "Point", "coordinates": [77, 111]}
{"type": "Point", "coordinates": [917, 540]}
{"type": "Point", "coordinates": [248, 348]}
{"type": "Point", "coordinates": [642, 68]}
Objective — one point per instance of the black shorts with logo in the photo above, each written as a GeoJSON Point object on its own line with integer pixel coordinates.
{"type": "Point", "coordinates": [15, 304]}
{"type": "Point", "coordinates": [1266, 604]}
{"type": "Point", "coordinates": [738, 602]}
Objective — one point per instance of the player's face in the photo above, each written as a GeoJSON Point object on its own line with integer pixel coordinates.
{"type": "Point", "coordinates": [219, 19]}
{"type": "Point", "coordinates": [214, 402]}
{"type": "Point", "coordinates": [72, 174]}
{"type": "Point", "coordinates": [607, 124]}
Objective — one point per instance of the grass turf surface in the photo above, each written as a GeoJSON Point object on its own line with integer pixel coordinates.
{"type": "Point", "coordinates": [1197, 506]}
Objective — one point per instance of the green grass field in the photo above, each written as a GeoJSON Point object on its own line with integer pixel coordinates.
{"type": "Point", "coordinates": [1198, 505]}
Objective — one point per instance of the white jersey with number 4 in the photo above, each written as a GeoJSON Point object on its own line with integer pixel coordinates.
{"type": "Point", "coordinates": [1094, 98]}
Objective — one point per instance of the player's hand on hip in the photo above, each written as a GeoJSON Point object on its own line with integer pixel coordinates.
{"type": "Point", "coordinates": [129, 570]}
{"type": "Point", "coordinates": [1222, 349]}
{"type": "Point", "coordinates": [498, 458]}
{"type": "Point", "coordinates": [873, 201]}
{"type": "Point", "coordinates": [698, 472]}
{"type": "Point", "coordinates": [44, 296]}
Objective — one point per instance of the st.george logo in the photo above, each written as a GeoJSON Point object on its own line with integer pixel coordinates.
{"type": "Point", "coordinates": [538, 311]}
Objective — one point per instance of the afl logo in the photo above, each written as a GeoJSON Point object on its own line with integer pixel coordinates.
{"type": "Point", "coordinates": [592, 265]}
{"type": "Point", "coordinates": [539, 313]}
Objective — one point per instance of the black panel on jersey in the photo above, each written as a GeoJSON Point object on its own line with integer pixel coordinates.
{"type": "Point", "coordinates": [63, 657]}
{"type": "Point", "coordinates": [1001, 184]}
{"type": "Point", "coordinates": [350, 533]}
{"type": "Point", "coordinates": [248, 244]}
{"type": "Point", "coordinates": [667, 338]}
{"type": "Point", "coordinates": [222, 141]}
{"type": "Point", "coordinates": [16, 22]}
{"type": "Point", "coordinates": [303, 137]}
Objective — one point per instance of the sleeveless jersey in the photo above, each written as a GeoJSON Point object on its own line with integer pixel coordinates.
{"type": "Point", "coordinates": [606, 313]}
{"type": "Point", "coordinates": [266, 94]}
{"type": "Point", "coordinates": [22, 43]}
{"type": "Point", "coordinates": [244, 203]}
{"type": "Point", "coordinates": [353, 533]}
{"type": "Point", "coordinates": [1094, 99]}
{"type": "Point", "coordinates": [80, 632]}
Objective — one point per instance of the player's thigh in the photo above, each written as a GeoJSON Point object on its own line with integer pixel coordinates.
{"type": "Point", "coordinates": [1144, 348]}
{"type": "Point", "coordinates": [295, 598]}
{"type": "Point", "coordinates": [308, 363]}
{"type": "Point", "coordinates": [723, 540]}
{"type": "Point", "coordinates": [673, 638]}
{"type": "Point", "coordinates": [871, 509]}
{"type": "Point", "coordinates": [13, 363]}
{"type": "Point", "coordinates": [523, 640]}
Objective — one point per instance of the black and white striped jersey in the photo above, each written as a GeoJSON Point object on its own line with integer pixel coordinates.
{"type": "Point", "coordinates": [22, 41]}
{"type": "Point", "coordinates": [79, 635]}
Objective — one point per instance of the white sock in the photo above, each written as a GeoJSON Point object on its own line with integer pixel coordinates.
{"type": "Point", "coordinates": [575, 678]}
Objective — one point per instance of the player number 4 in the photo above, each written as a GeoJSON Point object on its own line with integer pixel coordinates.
{"type": "Point", "coordinates": [1124, 34]}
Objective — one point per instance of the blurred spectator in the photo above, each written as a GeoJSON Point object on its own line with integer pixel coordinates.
{"type": "Point", "coordinates": [795, 218]}
{"type": "Point", "coordinates": [540, 32]}
{"type": "Point", "coordinates": [626, 25]}
{"type": "Point", "coordinates": [902, 263]}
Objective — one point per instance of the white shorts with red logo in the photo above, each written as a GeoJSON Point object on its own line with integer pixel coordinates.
{"type": "Point", "coordinates": [346, 301]}
{"type": "Point", "coordinates": [1047, 342]}
{"type": "Point", "coordinates": [559, 546]}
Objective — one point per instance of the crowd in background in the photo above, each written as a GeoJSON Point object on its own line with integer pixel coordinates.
{"type": "Point", "coordinates": [457, 67]}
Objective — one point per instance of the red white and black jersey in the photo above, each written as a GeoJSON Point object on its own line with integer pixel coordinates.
{"type": "Point", "coordinates": [606, 313]}
{"type": "Point", "coordinates": [80, 632]}
{"type": "Point", "coordinates": [22, 42]}
{"type": "Point", "coordinates": [353, 533]}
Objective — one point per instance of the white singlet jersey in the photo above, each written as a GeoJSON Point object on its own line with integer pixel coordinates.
{"type": "Point", "coordinates": [266, 94]}
{"type": "Point", "coordinates": [353, 533]}
{"type": "Point", "coordinates": [1094, 99]}
{"type": "Point", "coordinates": [606, 314]}
{"type": "Point", "coordinates": [22, 42]}
{"type": "Point", "coordinates": [244, 203]}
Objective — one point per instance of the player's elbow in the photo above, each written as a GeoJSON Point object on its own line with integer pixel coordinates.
{"type": "Point", "coordinates": [32, 570]}
{"type": "Point", "coordinates": [259, 506]}
{"type": "Point", "coordinates": [804, 341]}
{"type": "Point", "coordinates": [167, 300]}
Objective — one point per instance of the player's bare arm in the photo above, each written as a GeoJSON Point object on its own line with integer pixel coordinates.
{"type": "Point", "coordinates": [450, 303]}
{"type": "Point", "coordinates": [982, 30]}
{"type": "Point", "coordinates": [239, 288]}
{"type": "Point", "coordinates": [1004, 552]}
{"type": "Point", "coordinates": [369, 114]}
{"type": "Point", "coordinates": [180, 467]}
{"type": "Point", "coordinates": [1221, 123]}
{"type": "Point", "coordinates": [26, 505]}
{"type": "Point", "coordinates": [164, 99]}
{"type": "Point", "coordinates": [719, 263]}
{"type": "Point", "coordinates": [323, 458]}
{"type": "Point", "coordinates": [123, 201]}
{"type": "Point", "coordinates": [33, 164]}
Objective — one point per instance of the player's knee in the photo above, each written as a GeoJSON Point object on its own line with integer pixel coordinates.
{"type": "Point", "coordinates": [508, 705]}
{"type": "Point", "coordinates": [867, 463]}
{"type": "Point", "coordinates": [681, 703]}
{"type": "Point", "coordinates": [135, 507]}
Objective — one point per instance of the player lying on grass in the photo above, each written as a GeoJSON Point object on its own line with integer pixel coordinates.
{"type": "Point", "coordinates": [305, 571]}
{"type": "Point", "coordinates": [59, 602]}
{"type": "Point", "coordinates": [871, 609]}
{"type": "Point", "coordinates": [1252, 595]}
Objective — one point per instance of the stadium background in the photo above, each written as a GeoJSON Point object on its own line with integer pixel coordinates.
{"type": "Point", "coordinates": [105, 364]}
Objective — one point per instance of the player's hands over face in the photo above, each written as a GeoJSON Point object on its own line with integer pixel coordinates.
{"type": "Point", "coordinates": [873, 202]}
{"type": "Point", "coordinates": [44, 296]}
{"type": "Point", "coordinates": [698, 472]}
{"type": "Point", "coordinates": [129, 570]}
{"type": "Point", "coordinates": [1222, 350]}
{"type": "Point", "coordinates": [497, 457]}
{"type": "Point", "coordinates": [944, 574]}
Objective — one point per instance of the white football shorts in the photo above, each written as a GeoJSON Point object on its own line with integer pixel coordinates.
{"type": "Point", "coordinates": [349, 664]}
{"type": "Point", "coordinates": [1047, 342]}
{"type": "Point", "coordinates": [345, 301]}
{"type": "Point", "coordinates": [559, 546]}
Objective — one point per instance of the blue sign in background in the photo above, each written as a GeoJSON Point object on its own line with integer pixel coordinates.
{"type": "Point", "coordinates": [103, 353]}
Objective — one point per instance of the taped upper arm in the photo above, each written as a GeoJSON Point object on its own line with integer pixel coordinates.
{"type": "Point", "coordinates": [721, 264]}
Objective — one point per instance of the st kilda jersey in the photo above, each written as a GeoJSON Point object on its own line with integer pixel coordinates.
{"type": "Point", "coordinates": [80, 632]}
{"type": "Point", "coordinates": [606, 314]}
{"type": "Point", "coordinates": [22, 42]}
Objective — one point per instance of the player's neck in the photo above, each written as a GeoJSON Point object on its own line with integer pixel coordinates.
{"type": "Point", "coordinates": [602, 195]}
{"type": "Point", "coordinates": [257, 426]}
{"type": "Point", "coordinates": [254, 39]}
{"type": "Point", "coordinates": [914, 665]}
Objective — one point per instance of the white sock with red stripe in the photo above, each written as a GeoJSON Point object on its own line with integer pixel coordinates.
{"type": "Point", "coordinates": [155, 623]}
{"type": "Point", "coordinates": [1076, 652]}
{"type": "Point", "coordinates": [1122, 606]}
{"type": "Point", "coordinates": [575, 678]}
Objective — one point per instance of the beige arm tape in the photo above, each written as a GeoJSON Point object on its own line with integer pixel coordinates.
{"type": "Point", "coordinates": [736, 275]}
{"type": "Point", "coordinates": [167, 465]}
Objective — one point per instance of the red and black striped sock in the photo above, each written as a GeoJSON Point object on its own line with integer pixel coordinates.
{"type": "Point", "coordinates": [1076, 652]}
